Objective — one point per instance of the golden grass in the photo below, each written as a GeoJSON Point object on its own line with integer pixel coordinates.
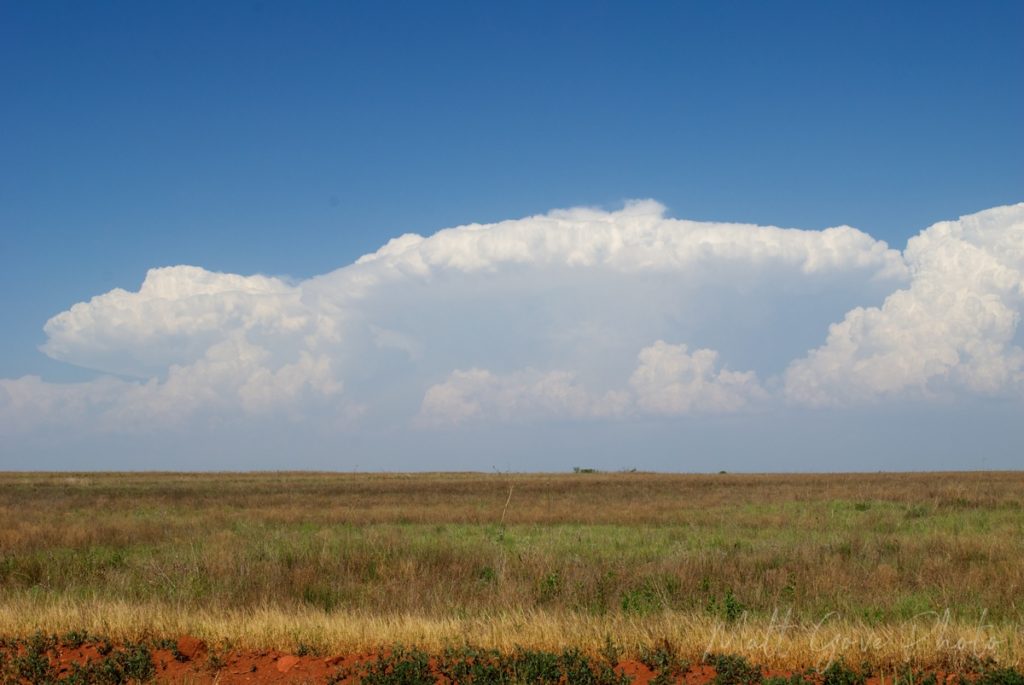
{"type": "Point", "coordinates": [929, 642]}
{"type": "Point", "coordinates": [886, 568]}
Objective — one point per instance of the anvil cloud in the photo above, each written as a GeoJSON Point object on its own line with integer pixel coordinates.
{"type": "Point", "coordinates": [578, 315]}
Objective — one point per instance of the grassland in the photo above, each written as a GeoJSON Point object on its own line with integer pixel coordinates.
{"type": "Point", "coordinates": [789, 570]}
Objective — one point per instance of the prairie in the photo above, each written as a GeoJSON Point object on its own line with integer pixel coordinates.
{"type": "Point", "coordinates": [788, 570]}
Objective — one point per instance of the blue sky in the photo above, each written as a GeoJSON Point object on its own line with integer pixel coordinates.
{"type": "Point", "coordinates": [289, 139]}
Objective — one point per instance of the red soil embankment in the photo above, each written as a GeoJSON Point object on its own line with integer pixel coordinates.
{"type": "Point", "coordinates": [192, 661]}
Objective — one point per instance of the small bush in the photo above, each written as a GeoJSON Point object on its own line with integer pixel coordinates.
{"type": "Point", "coordinates": [664, 661]}
{"type": "Point", "coordinates": [473, 666]}
{"type": "Point", "coordinates": [1000, 676]}
{"type": "Point", "coordinates": [838, 673]}
{"type": "Point", "coordinates": [135, 662]}
{"type": "Point", "coordinates": [401, 667]}
{"type": "Point", "coordinates": [535, 667]}
{"type": "Point", "coordinates": [641, 600]}
{"type": "Point", "coordinates": [732, 608]}
{"type": "Point", "coordinates": [794, 679]}
{"type": "Point", "coordinates": [580, 670]}
{"type": "Point", "coordinates": [34, 665]}
{"type": "Point", "coordinates": [74, 638]}
{"type": "Point", "coordinates": [731, 669]}
{"type": "Point", "coordinates": [132, 664]}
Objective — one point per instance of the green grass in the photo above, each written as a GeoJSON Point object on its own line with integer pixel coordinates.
{"type": "Point", "coordinates": [596, 568]}
{"type": "Point", "coordinates": [876, 549]}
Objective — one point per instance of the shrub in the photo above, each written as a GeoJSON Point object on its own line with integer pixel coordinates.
{"type": "Point", "coordinates": [795, 679]}
{"type": "Point", "coordinates": [732, 608]}
{"type": "Point", "coordinates": [580, 670]}
{"type": "Point", "coordinates": [664, 661]}
{"type": "Point", "coordinates": [400, 667]}
{"type": "Point", "coordinates": [34, 665]}
{"type": "Point", "coordinates": [473, 666]}
{"type": "Point", "coordinates": [731, 669]}
{"type": "Point", "coordinates": [134, 663]}
{"type": "Point", "coordinates": [838, 673]}
{"type": "Point", "coordinates": [1000, 676]}
{"type": "Point", "coordinates": [641, 600]}
{"type": "Point", "coordinates": [74, 638]}
{"type": "Point", "coordinates": [535, 667]}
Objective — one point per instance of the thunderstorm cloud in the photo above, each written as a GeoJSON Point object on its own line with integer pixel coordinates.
{"type": "Point", "coordinates": [577, 317]}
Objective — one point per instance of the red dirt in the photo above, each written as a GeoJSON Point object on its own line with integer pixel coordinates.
{"type": "Point", "coordinates": [193, 662]}
{"type": "Point", "coordinates": [191, 648]}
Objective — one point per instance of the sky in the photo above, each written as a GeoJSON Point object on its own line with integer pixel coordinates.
{"type": "Point", "coordinates": [524, 236]}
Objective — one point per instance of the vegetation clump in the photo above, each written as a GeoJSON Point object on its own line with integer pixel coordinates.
{"type": "Point", "coordinates": [37, 662]}
{"type": "Point", "coordinates": [473, 666]}
{"type": "Point", "coordinates": [838, 673]}
{"type": "Point", "coordinates": [800, 678]}
{"type": "Point", "coordinates": [996, 675]}
{"type": "Point", "coordinates": [398, 666]}
{"type": "Point", "coordinates": [732, 669]}
{"type": "Point", "coordinates": [663, 659]}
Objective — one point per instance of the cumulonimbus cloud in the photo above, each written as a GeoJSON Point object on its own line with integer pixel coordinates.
{"type": "Point", "coordinates": [577, 314]}
{"type": "Point", "coordinates": [953, 329]}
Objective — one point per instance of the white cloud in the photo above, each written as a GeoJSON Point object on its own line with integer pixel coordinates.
{"type": "Point", "coordinates": [233, 376]}
{"type": "Point", "coordinates": [29, 403]}
{"type": "Point", "coordinates": [667, 381]}
{"type": "Point", "coordinates": [177, 314]}
{"type": "Point", "coordinates": [671, 381]}
{"type": "Point", "coordinates": [951, 330]}
{"type": "Point", "coordinates": [476, 394]}
{"type": "Point", "coordinates": [542, 318]}
{"type": "Point", "coordinates": [231, 379]}
{"type": "Point", "coordinates": [637, 238]}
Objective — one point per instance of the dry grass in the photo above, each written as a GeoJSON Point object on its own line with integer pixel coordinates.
{"type": "Point", "coordinates": [927, 642]}
{"type": "Point", "coordinates": [926, 567]}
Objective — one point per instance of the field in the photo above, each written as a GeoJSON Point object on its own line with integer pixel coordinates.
{"type": "Point", "coordinates": [788, 571]}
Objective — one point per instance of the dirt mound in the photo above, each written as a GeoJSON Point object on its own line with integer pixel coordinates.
{"type": "Point", "coordinates": [190, 648]}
